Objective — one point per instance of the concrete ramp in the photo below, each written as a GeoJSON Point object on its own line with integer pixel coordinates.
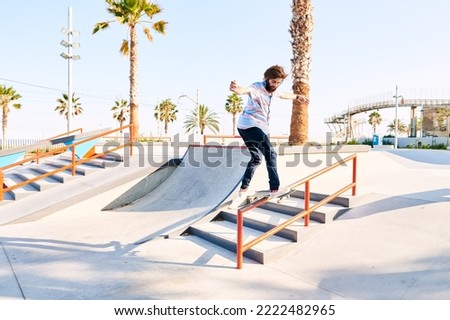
{"type": "Point", "coordinates": [205, 178]}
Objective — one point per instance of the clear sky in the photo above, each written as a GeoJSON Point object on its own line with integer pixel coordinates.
{"type": "Point", "coordinates": [360, 49]}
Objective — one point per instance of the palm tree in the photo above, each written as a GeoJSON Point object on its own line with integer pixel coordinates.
{"type": "Point", "coordinates": [442, 115]}
{"type": "Point", "coordinates": [132, 13]}
{"type": "Point", "coordinates": [7, 94]}
{"type": "Point", "coordinates": [166, 112]}
{"type": "Point", "coordinates": [208, 119]}
{"type": "Point", "coordinates": [374, 120]}
{"type": "Point", "coordinates": [234, 106]}
{"type": "Point", "coordinates": [401, 127]}
{"type": "Point", "coordinates": [301, 28]}
{"type": "Point", "coordinates": [121, 110]}
{"type": "Point", "coordinates": [63, 107]}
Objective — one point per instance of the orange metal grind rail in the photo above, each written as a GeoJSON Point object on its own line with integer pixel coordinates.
{"type": "Point", "coordinates": [72, 165]}
{"type": "Point", "coordinates": [241, 247]}
{"type": "Point", "coordinates": [218, 136]}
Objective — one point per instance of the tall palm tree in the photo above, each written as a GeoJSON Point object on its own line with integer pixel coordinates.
{"type": "Point", "coordinates": [301, 28]}
{"type": "Point", "coordinates": [208, 119]}
{"type": "Point", "coordinates": [374, 120]}
{"type": "Point", "coordinates": [166, 112]}
{"type": "Point", "coordinates": [234, 106]}
{"type": "Point", "coordinates": [121, 111]}
{"type": "Point", "coordinates": [63, 107]}
{"type": "Point", "coordinates": [7, 95]}
{"type": "Point", "coordinates": [131, 13]}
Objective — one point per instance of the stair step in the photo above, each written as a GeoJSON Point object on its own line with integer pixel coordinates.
{"type": "Point", "coordinates": [61, 176]}
{"type": "Point", "coordinates": [294, 205]}
{"type": "Point", "coordinates": [41, 184]}
{"type": "Point", "coordinates": [224, 234]}
{"type": "Point", "coordinates": [265, 220]}
{"type": "Point", "coordinates": [101, 162]}
{"type": "Point", "coordinates": [11, 179]}
{"type": "Point", "coordinates": [80, 169]}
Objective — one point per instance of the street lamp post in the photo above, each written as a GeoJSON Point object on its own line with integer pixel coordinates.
{"type": "Point", "coordinates": [69, 44]}
{"type": "Point", "coordinates": [396, 117]}
{"type": "Point", "coordinates": [197, 106]}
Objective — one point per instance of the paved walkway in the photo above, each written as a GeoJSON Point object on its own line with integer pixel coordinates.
{"type": "Point", "coordinates": [394, 244]}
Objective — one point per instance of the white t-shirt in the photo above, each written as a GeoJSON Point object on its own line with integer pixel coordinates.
{"type": "Point", "coordinates": [257, 111]}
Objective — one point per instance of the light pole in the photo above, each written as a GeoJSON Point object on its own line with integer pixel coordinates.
{"type": "Point", "coordinates": [197, 106]}
{"type": "Point", "coordinates": [69, 44]}
{"type": "Point", "coordinates": [396, 117]}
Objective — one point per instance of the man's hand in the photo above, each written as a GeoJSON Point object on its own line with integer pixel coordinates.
{"type": "Point", "coordinates": [233, 86]}
{"type": "Point", "coordinates": [302, 99]}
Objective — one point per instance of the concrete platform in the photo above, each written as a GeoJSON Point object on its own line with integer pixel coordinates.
{"type": "Point", "coordinates": [393, 244]}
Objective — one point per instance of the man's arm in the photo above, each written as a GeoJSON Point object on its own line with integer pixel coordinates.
{"type": "Point", "coordinates": [293, 96]}
{"type": "Point", "coordinates": [238, 89]}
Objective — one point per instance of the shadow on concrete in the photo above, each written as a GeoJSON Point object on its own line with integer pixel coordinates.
{"type": "Point", "coordinates": [394, 203]}
{"type": "Point", "coordinates": [428, 279]}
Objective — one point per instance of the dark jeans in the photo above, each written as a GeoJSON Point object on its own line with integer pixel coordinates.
{"type": "Point", "coordinates": [258, 143]}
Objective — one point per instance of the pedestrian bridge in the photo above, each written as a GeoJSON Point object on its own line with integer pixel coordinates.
{"type": "Point", "coordinates": [377, 105]}
{"type": "Point", "coordinates": [340, 123]}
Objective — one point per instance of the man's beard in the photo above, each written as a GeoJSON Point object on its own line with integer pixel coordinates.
{"type": "Point", "coordinates": [269, 88]}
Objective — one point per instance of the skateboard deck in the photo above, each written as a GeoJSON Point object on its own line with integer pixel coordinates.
{"type": "Point", "coordinates": [282, 194]}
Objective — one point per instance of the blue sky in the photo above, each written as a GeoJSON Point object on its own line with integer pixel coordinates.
{"type": "Point", "coordinates": [360, 49]}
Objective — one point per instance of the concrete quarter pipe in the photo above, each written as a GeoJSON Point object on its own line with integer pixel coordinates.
{"type": "Point", "coordinates": [205, 178]}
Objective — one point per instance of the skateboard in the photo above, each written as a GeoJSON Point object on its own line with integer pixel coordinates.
{"type": "Point", "coordinates": [284, 193]}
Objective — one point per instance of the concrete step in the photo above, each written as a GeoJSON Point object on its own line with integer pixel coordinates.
{"type": "Point", "coordinates": [42, 184]}
{"type": "Point", "coordinates": [79, 169]}
{"type": "Point", "coordinates": [224, 234]}
{"type": "Point", "coordinates": [11, 179]}
{"type": "Point", "coordinates": [61, 176]}
{"type": "Point", "coordinates": [101, 162]}
{"type": "Point", "coordinates": [293, 205]}
{"type": "Point", "coordinates": [264, 220]}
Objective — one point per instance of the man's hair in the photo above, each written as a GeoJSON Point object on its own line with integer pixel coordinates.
{"type": "Point", "coordinates": [275, 72]}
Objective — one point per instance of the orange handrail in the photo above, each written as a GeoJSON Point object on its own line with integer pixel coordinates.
{"type": "Point", "coordinates": [241, 247]}
{"type": "Point", "coordinates": [218, 136]}
{"type": "Point", "coordinates": [71, 165]}
{"type": "Point", "coordinates": [66, 133]}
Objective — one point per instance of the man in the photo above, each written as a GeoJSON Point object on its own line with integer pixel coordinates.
{"type": "Point", "coordinates": [253, 124]}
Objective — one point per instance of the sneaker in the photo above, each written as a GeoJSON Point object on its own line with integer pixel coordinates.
{"type": "Point", "coordinates": [242, 196]}
{"type": "Point", "coordinates": [277, 192]}
{"type": "Point", "coordinates": [245, 192]}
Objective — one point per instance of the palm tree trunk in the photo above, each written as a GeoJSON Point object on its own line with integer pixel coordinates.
{"type": "Point", "coordinates": [234, 124]}
{"type": "Point", "coordinates": [134, 108]}
{"type": "Point", "coordinates": [301, 32]}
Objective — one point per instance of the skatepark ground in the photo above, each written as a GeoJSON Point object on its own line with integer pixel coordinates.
{"type": "Point", "coordinates": [393, 244]}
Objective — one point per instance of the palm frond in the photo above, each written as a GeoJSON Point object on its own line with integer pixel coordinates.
{"type": "Point", "coordinates": [100, 26]}
{"type": "Point", "coordinates": [125, 47]}
{"type": "Point", "coordinates": [160, 26]}
{"type": "Point", "coordinates": [151, 9]}
{"type": "Point", "coordinates": [148, 34]}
